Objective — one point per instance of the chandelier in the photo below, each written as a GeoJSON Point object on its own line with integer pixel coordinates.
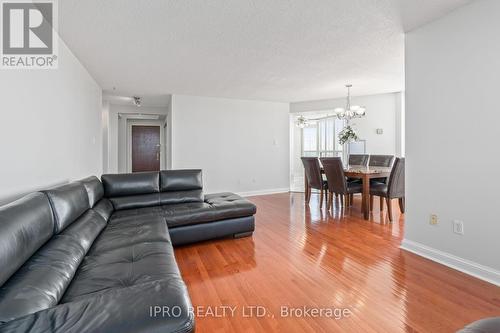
{"type": "Point", "coordinates": [302, 122]}
{"type": "Point", "coordinates": [350, 111]}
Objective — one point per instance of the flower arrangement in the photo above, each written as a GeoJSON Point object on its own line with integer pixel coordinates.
{"type": "Point", "coordinates": [347, 135]}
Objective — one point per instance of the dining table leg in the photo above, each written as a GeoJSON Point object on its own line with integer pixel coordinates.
{"type": "Point", "coordinates": [366, 197]}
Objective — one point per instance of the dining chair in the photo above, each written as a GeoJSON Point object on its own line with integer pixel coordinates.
{"type": "Point", "coordinates": [384, 161]}
{"type": "Point", "coordinates": [358, 159]}
{"type": "Point", "coordinates": [394, 189]}
{"type": "Point", "coordinates": [314, 178]}
{"type": "Point", "coordinates": [337, 181]}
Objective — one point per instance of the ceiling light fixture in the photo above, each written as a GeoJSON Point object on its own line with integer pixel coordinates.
{"type": "Point", "coordinates": [137, 101]}
{"type": "Point", "coordinates": [350, 111]}
{"type": "Point", "coordinates": [301, 122]}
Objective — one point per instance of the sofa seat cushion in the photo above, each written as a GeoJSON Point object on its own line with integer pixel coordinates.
{"type": "Point", "coordinates": [216, 207]}
{"type": "Point", "coordinates": [229, 205]}
{"type": "Point", "coordinates": [116, 310]}
{"type": "Point", "coordinates": [137, 212]}
{"type": "Point", "coordinates": [129, 230]}
{"type": "Point", "coordinates": [220, 206]}
{"type": "Point", "coordinates": [187, 213]}
{"type": "Point", "coordinates": [122, 267]}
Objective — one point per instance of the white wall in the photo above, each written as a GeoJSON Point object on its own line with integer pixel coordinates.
{"type": "Point", "coordinates": [168, 136]}
{"type": "Point", "coordinates": [452, 117]}
{"type": "Point", "coordinates": [400, 124]}
{"type": "Point", "coordinates": [381, 113]}
{"type": "Point", "coordinates": [242, 146]}
{"type": "Point", "coordinates": [50, 128]}
{"type": "Point", "coordinates": [105, 136]}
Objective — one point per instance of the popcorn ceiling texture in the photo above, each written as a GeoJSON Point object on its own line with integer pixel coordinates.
{"type": "Point", "coordinates": [255, 49]}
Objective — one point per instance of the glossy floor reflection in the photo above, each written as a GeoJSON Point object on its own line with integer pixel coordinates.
{"type": "Point", "coordinates": [302, 256]}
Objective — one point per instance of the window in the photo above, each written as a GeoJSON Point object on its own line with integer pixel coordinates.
{"type": "Point", "coordinates": [310, 141]}
{"type": "Point", "coordinates": [320, 139]}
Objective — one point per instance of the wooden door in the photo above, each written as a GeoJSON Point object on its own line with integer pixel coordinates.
{"type": "Point", "coordinates": [145, 148]}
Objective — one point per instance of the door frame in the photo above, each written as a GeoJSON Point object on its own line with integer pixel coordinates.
{"type": "Point", "coordinates": [158, 123]}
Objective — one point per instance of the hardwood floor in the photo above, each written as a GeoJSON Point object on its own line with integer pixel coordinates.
{"type": "Point", "coordinates": [303, 256]}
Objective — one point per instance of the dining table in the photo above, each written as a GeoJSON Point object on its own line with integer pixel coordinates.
{"type": "Point", "coordinates": [365, 174]}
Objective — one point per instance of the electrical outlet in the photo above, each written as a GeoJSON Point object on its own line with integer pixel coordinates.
{"type": "Point", "coordinates": [458, 227]}
{"type": "Point", "coordinates": [434, 219]}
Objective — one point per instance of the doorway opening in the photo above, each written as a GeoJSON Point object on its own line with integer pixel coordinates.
{"type": "Point", "coordinates": [146, 143]}
{"type": "Point", "coordinates": [146, 148]}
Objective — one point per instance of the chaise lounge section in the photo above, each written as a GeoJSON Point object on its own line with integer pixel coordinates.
{"type": "Point", "coordinates": [98, 257]}
{"type": "Point", "coordinates": [177, 196]}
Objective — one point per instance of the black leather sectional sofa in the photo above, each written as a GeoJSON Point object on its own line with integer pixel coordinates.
{"type": "Point", "coordinates": [94, 256]}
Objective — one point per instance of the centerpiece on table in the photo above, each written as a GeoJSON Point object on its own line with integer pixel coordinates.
{"type": "Point", "coordinates": [348, 134]}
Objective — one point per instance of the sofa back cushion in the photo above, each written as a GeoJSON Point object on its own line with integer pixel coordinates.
{"type": "Point", "coordinates": [104, 207]}
{"type": "Point", "coordinates": [120, 185]}
{"type": "Point", "coordinates": [94, 188]}
{"type": "Point", "coordinates": [41, 282]}
{"type": "Point", "coordinates": [181, 186]}
{"type": "Point", "coordinates": [148, 189]}
{"type": "Point", "coordinates": [136, 201]}
{"type": "Point", "coordinates": [25, 225]}
{"type": "Point", "coordinates": [132, 190]}
{"type": "Point", "coordinates": [180, 180]}
{"type": "Point", "coordinates": [68, 203]}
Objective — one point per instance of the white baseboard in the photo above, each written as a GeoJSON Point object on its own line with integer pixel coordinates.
{"type": "Point", "coordinates": [264, 192]}
{"type": "Point", "coordinates": [479, 271]}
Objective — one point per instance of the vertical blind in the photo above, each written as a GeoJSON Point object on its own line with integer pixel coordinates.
{"type": "Point", "coordinates": [320, 138]}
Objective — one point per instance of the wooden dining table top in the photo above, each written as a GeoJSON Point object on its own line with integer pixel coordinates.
{"type": "Point", "coordinates": [360, 171]}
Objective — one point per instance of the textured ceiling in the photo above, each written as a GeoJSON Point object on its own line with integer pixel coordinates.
{"type": "Point", "coordinates": [277, 50]}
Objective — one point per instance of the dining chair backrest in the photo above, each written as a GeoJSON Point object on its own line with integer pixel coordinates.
{"type": "Point", "coordinates": [313, 172]}
{"type": "Point", "coordinates": [361, 159]}
{"type": "Point", "coordinates": [381, 160]}
{"type": "Point", "coordinates": [334, 171]}
{"type": "Point", "coordinates": [396, 186]}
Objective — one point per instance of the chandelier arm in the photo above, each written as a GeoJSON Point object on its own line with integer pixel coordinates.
{"type": "Point", "coordinates": [348, 97]}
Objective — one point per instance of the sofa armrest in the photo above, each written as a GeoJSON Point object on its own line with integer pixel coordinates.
{"type": "Point", "coordinates": [158, 306]}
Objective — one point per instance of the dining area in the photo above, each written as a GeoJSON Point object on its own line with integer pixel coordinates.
{"type": "Point", "coordinates": [368, 176]}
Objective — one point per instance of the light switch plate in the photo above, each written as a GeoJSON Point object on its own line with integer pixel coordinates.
{"type": "Point", "coordinates": [458, 227]}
